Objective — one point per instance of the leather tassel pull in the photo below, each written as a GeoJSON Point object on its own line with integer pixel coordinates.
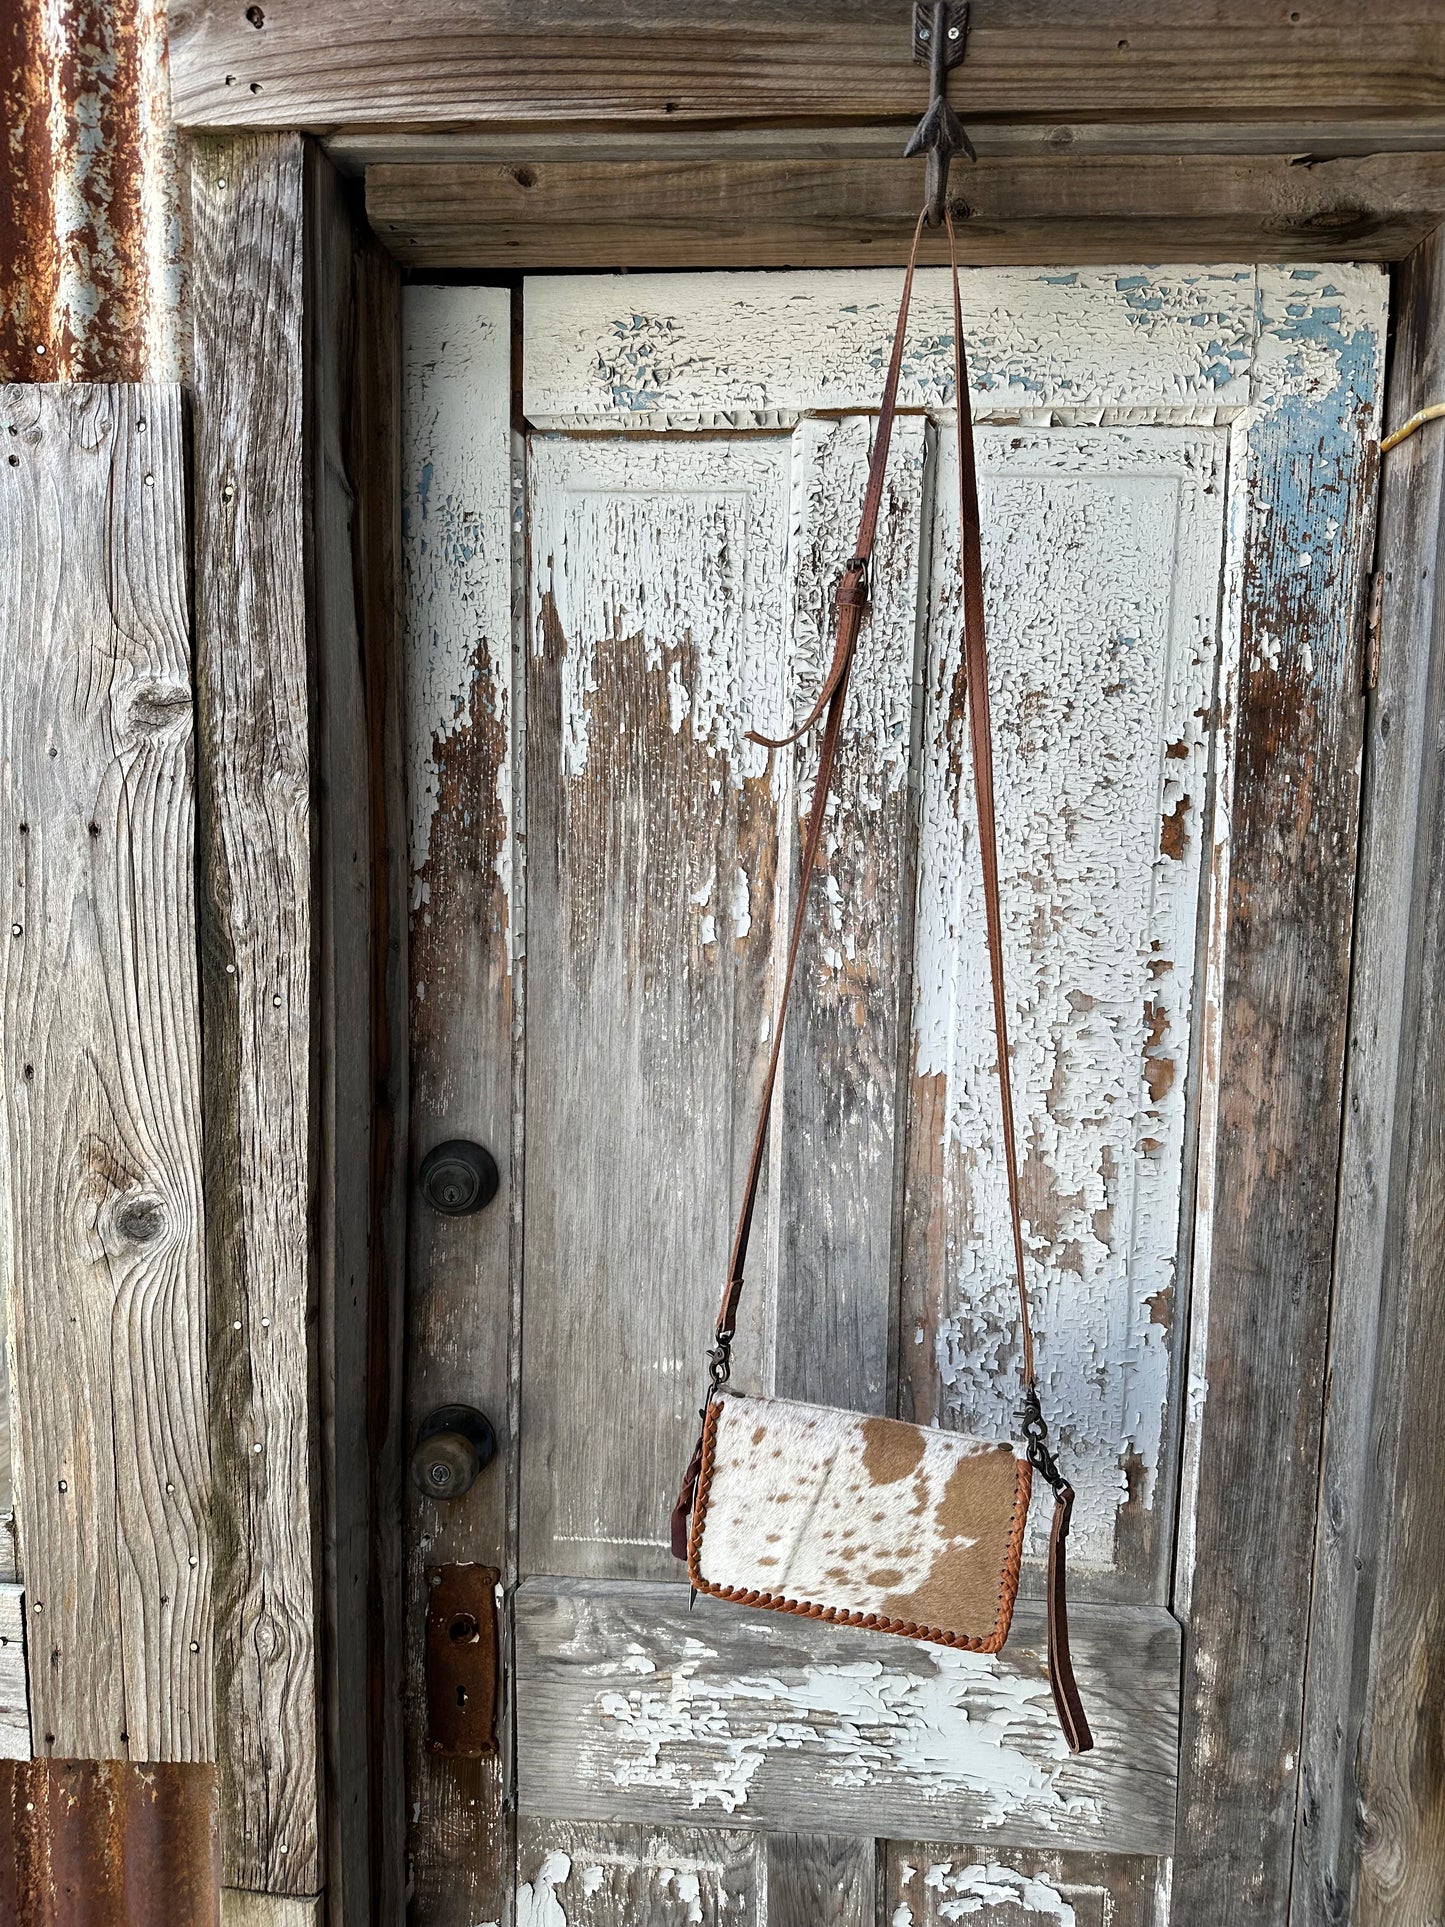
{"type": "Point", "coordinates": [1069, 1706]}
{"type": "Point", "coordinates": [682, 1511]}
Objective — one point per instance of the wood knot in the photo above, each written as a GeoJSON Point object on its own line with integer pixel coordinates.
{"type": "Point", "coordinates": [140, 1218]}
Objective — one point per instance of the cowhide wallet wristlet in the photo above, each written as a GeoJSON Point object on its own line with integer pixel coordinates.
{"type": "Point", "coordinates": [867, 1521]}
{"type": "Point", "coordinates": [837, 1515]}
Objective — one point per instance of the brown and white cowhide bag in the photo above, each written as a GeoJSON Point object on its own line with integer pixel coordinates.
{"type": "Point", "coordinates": [867, 1521]}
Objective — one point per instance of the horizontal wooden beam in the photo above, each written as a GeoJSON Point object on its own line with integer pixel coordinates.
{"type": "Point", "coordinates": [299, 63]}
{"type": "Point", "coordinates": [859, 212]}
{"type": "Point", "coordinates": [354, 149]}
{"type": "Point", "coordinates": [758, 1719]}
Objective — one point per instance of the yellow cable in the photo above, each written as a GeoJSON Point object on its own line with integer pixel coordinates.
{"type": "Point", "coordinates": [1431, 414]}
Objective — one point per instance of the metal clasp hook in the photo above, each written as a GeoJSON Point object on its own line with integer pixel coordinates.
{"type": "Point", "coordinates": [940, 34]}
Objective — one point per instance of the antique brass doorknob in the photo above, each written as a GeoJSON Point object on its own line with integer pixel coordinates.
{"type": "Point", "coordinates": [454, 1444]}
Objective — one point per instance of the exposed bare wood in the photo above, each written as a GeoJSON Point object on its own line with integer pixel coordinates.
{"type": "Point", "coordinates": [240, 1909]}
{"type": "Point", "coordinates": [1268, 1161]}
{"type": "Point", "coordinates": [638, 1876]}
{"type": "Point", "coordinates": [258, 936]}
{"type": "Point", "coordinates": [312, 66]}
{"type": "Point", "coordinates": [14, 1694]}
{"type": "Point", "coordinates": [456, 475]}
{"type": "Point", "coordinates": [1372, 1783]}
{"type": "Point", "coordinates": [989, 1886]}
{"type": "Point", "coordinates": [821, 1880]}
{"type": "Point", "coordinates": [775, 1721]}
{"type": "Point", "coordinates": [840, 213]}
{"type": "Point", "coordinates": [101, 1214]}
{"type": "Point", "coordinates": [356, 148]}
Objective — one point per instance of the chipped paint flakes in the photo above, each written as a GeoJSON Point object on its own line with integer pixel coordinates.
{"type": "Point", "coordinates": [456, 542]}
{"type": "Point", "coordinates": [537, 1902]}
{"type": "Point", "coordinates": [963, 1724]}
{"type": "Point", "coordinates": [955, 1893]}
{"type": "Point", "coordinates": [1102, 559]}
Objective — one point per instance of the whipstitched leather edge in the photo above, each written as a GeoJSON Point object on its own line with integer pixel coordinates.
{"type": "Point", "coordinates": [837, 1615]}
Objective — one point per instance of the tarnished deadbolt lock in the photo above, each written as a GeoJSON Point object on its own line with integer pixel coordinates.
{"type": "Point", "coordinates": [459, 1177]}
{"type": "Point", "coordinates": [453, 1445]}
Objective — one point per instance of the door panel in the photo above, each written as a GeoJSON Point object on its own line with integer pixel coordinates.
{"type": "Point", "coordinates": [605, 868]}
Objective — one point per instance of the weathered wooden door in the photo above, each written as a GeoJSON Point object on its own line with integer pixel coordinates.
{"type": "Point", "coordinates": [628, 501]}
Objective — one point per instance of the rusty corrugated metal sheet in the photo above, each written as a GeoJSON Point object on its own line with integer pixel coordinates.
{"type": "Point", "coordinates": [104, 1843]}
{"type": "Point", "coordinates": [91, 241]}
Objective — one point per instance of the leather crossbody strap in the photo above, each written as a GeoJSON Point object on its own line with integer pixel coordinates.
{"type": "Point", "coordinates": [852, 605]}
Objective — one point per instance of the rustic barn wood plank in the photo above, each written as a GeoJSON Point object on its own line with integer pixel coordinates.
{"type": "Point", "coordinates": [839, 213]}
{"type": "Point", "coordinates": [308, 66]}
{"type": "Point", "coordinates": [839, 1113]}
{"type": "Point", "coordinates": [102, 1214]}
{"type": "Point", "coordinates": [456, 474]}
{"type": "Point", "coordinates": [1268, 1156]}
{"type": "Point", "coordinates": [933, 1886]}
{"type": "Point", "coordinates": [777, 1721]}
{"type": "Point", "coordinates": [242, 1909]}
{"type": "Point", "coordinates": [258, 932]}
{"type": "Point", "coordinates": [354, 149]}
{"type": "Point", "coordinates": [354, 328]}
{"type": "Point", "coordinates": [1370, 1791]}
{"type": "Point", "coordinates": [640, 1876]}
{"type": "Point", "coordinates": [14, 1692]}
{"type": "Point", "coordinates": [821, 1880]}
{"type": "Point", "coordinates": [651, 877]}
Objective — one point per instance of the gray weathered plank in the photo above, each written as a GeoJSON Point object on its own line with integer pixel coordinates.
{"type": "Point", "coordinates": [101, 1213]}
{"type": "Point", "coordinates": [640, 1876]}
{"type": "Point", "coordinates": [838, 1113]}
{"type": "Point", "coordinates": [258, 933]}
{"type": "Point", "coordinates": [1281, 922]}
{"type": "Point", "coordinates": [456, 472]}
{"type": "Point", "coordinates": [672, 213]}
{"type": "Point", "coordinates": [933, 1886]}
{"type": "Point", "coordinates": [354, 149]}
{"type": "Point", "coordinates": [14, 1693]}
{"type": "Point", "coordinates": [768, 59]}
{"type": "Point", "coordinates": [1370, 1792]}
{"type": "Point", "coordinates": [821, 1880]}
{"type": "Point", "coordinates": [242, 1909]}
{"type": "Point", "coordinates": [651, 879]}
{"type": "Point", "coordinates": [773, 1720]}
{"type": "Point", "coordinates": [354, 324]}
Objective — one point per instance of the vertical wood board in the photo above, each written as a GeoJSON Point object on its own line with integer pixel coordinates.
{"type": "Point", "coordinates": [1268, 1168]}
{"type": "Point", "coordinates": [460, 732]}
{"type": "Point", "coordinates": [14, 1687]}
{"type": "Point", "coordinates": [258, 935]}
{"type": "Point", "coordinates": [100, 1202]}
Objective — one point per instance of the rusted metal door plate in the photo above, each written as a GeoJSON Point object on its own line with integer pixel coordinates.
{"type": "Point", "coordinates": [461, 1659]}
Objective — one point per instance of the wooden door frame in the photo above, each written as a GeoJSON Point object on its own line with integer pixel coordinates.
{"type": "Point", "coordinates": [329, 577]}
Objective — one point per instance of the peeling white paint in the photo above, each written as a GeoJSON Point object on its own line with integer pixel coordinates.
{"type": "Point", "coordinates": [962, 1891]}
{"type": "Point", "coordinates": [963, 1725]}
{"type": "Point", "coordinates": [1102, 560]}
{"type": "Point", "coordinates": [456, 542]}
{"type": "Point", "coordinates": [537, 1902]}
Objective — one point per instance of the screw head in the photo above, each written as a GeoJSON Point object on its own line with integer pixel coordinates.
{"type": "Point", "coordinates": [924, 33]}
{"type": "Point", "coordinates": [953, 33]}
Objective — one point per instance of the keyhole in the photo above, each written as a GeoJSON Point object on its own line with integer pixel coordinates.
{"type": "Point", "coordinates": [461, 1696]}
{"type": "Point", "coordinates": [463, 1628]}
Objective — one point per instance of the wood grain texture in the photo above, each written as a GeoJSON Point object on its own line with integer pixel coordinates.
{"type": "Point", "coordinates": [775, 1721]}
{"type": "Point", "coordinates": [101, 1215]}
{"type": "Point", "coordinates": [302, 65]}
{"type": "Point", "coordinates": [457, 515]}
{"type": "Point", "coordinates": [1073, 208]}
{"type": "Point", "coordinates": [821, 1880]}
{"type": "Point", "coordinates": [242, 1909]}
{"type": "Point", "coordinates": [353, 454]}
{"type": "Point", "coordinates": [258, 897]}
{"type": "Point", "coordinates": [932, 1886]}
{"type": "Point", "coordinates": [14, 1689]}
{"type": "Point", "coordinates": [1268, 1159]}
{"type": "Point", "coordinates": [1370, 1844]}
{"type": "Point", "coordinates": [354, 149]}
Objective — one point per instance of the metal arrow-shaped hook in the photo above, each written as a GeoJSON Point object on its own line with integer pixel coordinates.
{"type": "Point", "coordinates": [940, 34]}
